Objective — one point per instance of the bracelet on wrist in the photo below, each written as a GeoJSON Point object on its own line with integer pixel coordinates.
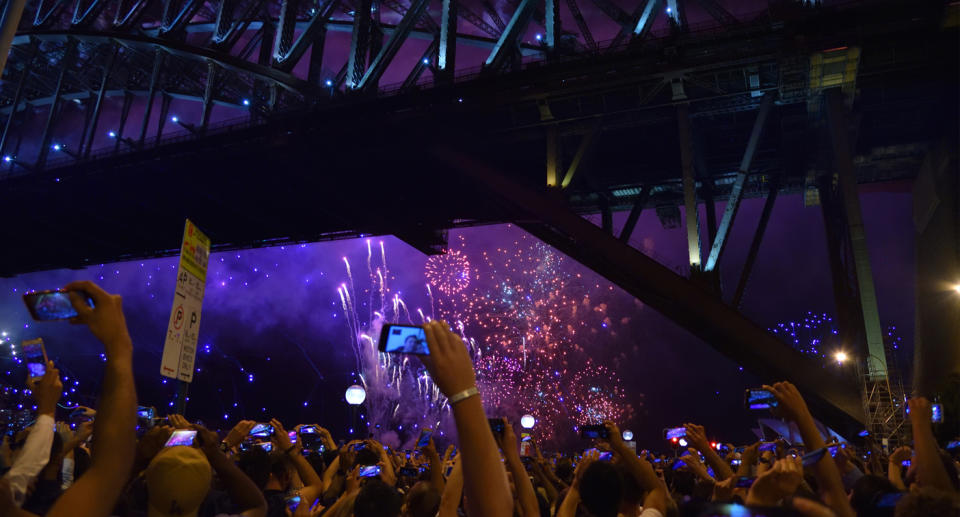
{"type": "Point", "coordinates": [463, 395]}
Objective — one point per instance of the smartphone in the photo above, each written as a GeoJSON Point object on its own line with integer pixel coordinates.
{"type": "Point", "coordinates": [936, 413]}
{"type": "Point", "coordinates": [744, 482]}
{"type": "Point", "coordinates": [145, 413]}
{"type": "Point", "coordinates": [308, 429]}
{"type": "Point", "coordinates": [293, 502]}
{"type": "Point", "coordinates": [768, 446]}
{"type": "Point", "coordinates": [52, 305]}
{"type": "Point", "coordinates": [408, 471]}
{"type": "Point", "coordinates": [403, 339]}
{"type": "Point", "coordinates": [863, 434]}
{"type": "Point", "coordinates": [293, 436]}
{"type": "Point", "coordinates": [606, 456]}
{"type": "Point", "coordinates": [593, 432]}
{"type": "Point", "coordinates": [759, 398]}
{"type": "Point", "coordinates": [181, 437]}
{"type": "Point", "coordinates": [262, 430]}
{"type": "Point", "coordinates": [735, 462]}
{"type": "Point", "coordinates": [833, 450]}
{"type": "Point", "coordinates": [369, 471]}
{"type": "Point", "coordinates": [35, 356]}
{"type": "Point", "coordinates": [496, 425]}
{"type": "Point", "coordinates": [906, 463]}
{"type": "Point", "coordinates": [675, 432]}
{"type": "Point", "coordinates": [954, 445]}
{"type": "Point", "coordinates": [424, 439]}
{"type": "Point", "coordinates": [267, 446]}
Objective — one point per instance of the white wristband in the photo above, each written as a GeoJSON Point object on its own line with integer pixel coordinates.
{"type": "Point", "coordinates": [463, 395]}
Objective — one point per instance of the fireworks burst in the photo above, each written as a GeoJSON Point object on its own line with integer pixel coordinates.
{"type": "Point", "coordinates": [449, 273]}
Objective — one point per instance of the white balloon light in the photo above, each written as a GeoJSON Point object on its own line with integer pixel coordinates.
{"type": "Point", "coordinates": [527, 421]}
{"type": "Point", "coordinates": [355, 395]}
{"type": "Point", "coordinates": [627, 435]}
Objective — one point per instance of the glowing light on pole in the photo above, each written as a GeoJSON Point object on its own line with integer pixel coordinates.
{"type": "Point", "coordinates": [527, 421]}
{"type": "Point", "coordinates": [355, 395]}
{"type": "Point", "coordinates": [840, 356]}
{"type": "Point", "coordinates": [627, 435]}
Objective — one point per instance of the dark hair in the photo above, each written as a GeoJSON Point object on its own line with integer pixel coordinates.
{"type": "Point", "coordinates": [601, 489]}
{"type": "Point", "coordinates": [423, 500]}
{"type": "Point", "coordinates": [255, 463]}
{"type": "Point", "coordinates": [928, 502]}
{"type": "Point", "coordinates": [376, 499]}
{"type": "Point", "coordinates": [564, 470]}
{"type": "Point", "coordinates": [367, 456]}
{"type": "Point", "coordinates": [867, 491]}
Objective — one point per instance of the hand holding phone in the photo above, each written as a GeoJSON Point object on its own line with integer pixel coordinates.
{"type": "Point", "coordinates": [759, 398]}
{"type": "Point", "coordinates": [262, 430]}
{"type": "Point", "coordinates": [496, 426]}
{"type": "Point", "coordinates": [594, 432]}
{"type": "Point", "coordinates": [369, 471]}
{"type": "Point", "coordinates": [674, 432]}
{"type": "Point", "coordinates": [35, 355]}
{"type": "Point", "coordinates": [424, 439]}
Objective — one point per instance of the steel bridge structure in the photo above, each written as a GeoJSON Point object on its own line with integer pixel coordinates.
{"type": "Point", "coordinates": [271, 121]}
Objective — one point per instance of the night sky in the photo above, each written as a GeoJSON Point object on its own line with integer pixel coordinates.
{"type": "Point", "coordinates": [274, 340]}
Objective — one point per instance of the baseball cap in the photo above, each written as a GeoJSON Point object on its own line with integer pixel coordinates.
{"type": "Point", "coordinates": [178, 480]}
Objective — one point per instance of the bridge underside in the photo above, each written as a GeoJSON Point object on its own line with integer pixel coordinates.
{"type": "Point", "coordinates": [414, 165]}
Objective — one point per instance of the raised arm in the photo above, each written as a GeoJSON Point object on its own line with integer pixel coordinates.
{"type": "Point", "coordinates": [114, 436]}
{"type": "Point", "coordinates": [641, 470]}
{"type": "Point", "coordinates": [697, 437]}
{"type": "Point", "coordinates": [570, 503]}
{"type": "Point", "coordinates": [895, 466]}
{"type": "Point", "coordinates": [436, 466]}
{"type": "Point", "coordinates": [793, 407]}
{"type": "Point", "coordinates": [36, 450]}
{"type": "Point", "coordinates": [930, 471]}
{"type": "Point", "coordinates": [485, 480]}
{"type": "Point", "coordinates": [242, 490]}
{"type": "Point", "coordinates": [521, 480]}
{"type": "Point", "coordinates": [307, 474]}
{"type": "Point", "coordinates": [452, 492]}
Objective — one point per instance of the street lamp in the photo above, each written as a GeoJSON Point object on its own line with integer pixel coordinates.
{"type": "Point", "coordinates": [840, 356]}
{"type": "Point", "coordinates": [527, 421]}
{"type": "Point", "coordinates": [627, 435]}
{"type": "Point", "coordinates": [355, 395]}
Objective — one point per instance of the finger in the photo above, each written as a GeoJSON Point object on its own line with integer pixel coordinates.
{"type": "Point", "coordinates": [93, 290]}
{"type": "Point", "coordinates": [434, 344]}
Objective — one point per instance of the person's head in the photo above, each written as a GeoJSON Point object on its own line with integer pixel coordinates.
{"type": "Point", "coordinates": [279, 472]}
{"type": "Point", "coordinates": [367, 456]}
{"type": "Point", "coordinates": [867, 491]}
{"type": "Point", "coordinates": [423, 500]}
{"type": "Point", "coordinates": [178, 479]}
{"type": "Point", "coordinates": [601, 489]}
{"type": "Point", "coordinates": [410, 342]}
{"type": "Point", "coordinates": [255, 463]}
{"type": "Point", "coordinates": [928, 502]}
{"type": "Point", "coordinates": [377, 499]}
{"type": "Point", "coordinates": [565, 469]}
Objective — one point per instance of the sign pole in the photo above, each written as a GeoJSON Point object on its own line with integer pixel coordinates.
{"type": "Point", "coordinates": [183, 331]}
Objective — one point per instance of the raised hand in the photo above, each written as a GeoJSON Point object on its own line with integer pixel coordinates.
{"type": "Point", "coordinates": [697, 436]}
{"type": "Point", "coordinates": [207, 440]}
{"type": "Point", "coordinates": [178, 422]}
{"type": "Point", "coordinates": [791, 404]}
{"type": "Point", "coordinates": [239, 432]}
{"type": "Point", "coordinates": [615, 439]}
{"type": "Point", "coordinates": [588, 457]}
{"type": "Point", "coordinates": [47, 390]}
{"type": "Point", "coordinates": [449, 362]}
{"type": "Point", "coordinates": [920, 410]}
{"type": "Point", "coordinates": [84, 431]}
{"type": "Point", "coordinates": [105, 319]}
{"type": "Point", "coordinates": [776, 483]}
{"type": "Point", "coordinates": [280, 436]}
{"type": "Point", "coordinates": [901, 454]}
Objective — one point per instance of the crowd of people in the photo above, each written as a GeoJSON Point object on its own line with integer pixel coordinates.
{"type": "Point", "coordinates": [101, 465]}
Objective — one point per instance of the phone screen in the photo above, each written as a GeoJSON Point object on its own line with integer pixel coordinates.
{"type": "Point", "coordinates": [262, 430]}
{"type": "Point", "coordinates": [936, 413]}
{"type": "Point", "coordinates": [594, 432]}
{"type": "Point", "coordinates": [369, 471]}
{"type": "Point", "coordinates": [35, 357]}
{"type": "Point", "coordinates": [293, 502]}
{"type": "Point", "coordinates": [145, 413]}
{"type": "Point", "coordinates": [267, 446]}
{"type": "Point", "coordinates": [424, 438]}
{"type": "Point", "coordinates": [676, 432]}
{"type": "Point", "coordinates": [293, 436]}
{"type": "Point", "coordinates": [757, 398]}
{"type": "Point", "coordinates": [308, 429]}
{"type": "Point", "coordinates": [735, 462]}
{"type": "Point", "coordinates": [606, 456]}
{"type": "Point", "coordinates": [181, 437]}
{"type": "Point", "coordinates": [51, 305]}
{"type": "Point", "coordinates": [403, 339]}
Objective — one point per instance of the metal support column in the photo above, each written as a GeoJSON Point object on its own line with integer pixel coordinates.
{"type": "Point", "coordinates": [55, 105]}
{"type": "Point", "coordinates": [634, 216]}
{"type": "Point", "coordinates": [12, 12]}
{"type": "Point", "coordinates": [124, 114]}
{"type": "Point", "coordinates": [553, 158]}
{"type": "Point", "coordinates": [689, 188]}
{"type": "Point", "coordinates": [98, 107]}
{"type": "Point", "coordinates": [552, 23]}
{"type": "Point", "coordinates": [151, 95]}
{"type": "Point", "coordinates": [506, 46]}
{"type": "Point", "coordinates": [383, 58]}
{"type": "Point", "coordinates": [359, 43]}
{"type": "Point", "coordinates": [208, 95]}
{"type": "Point", "coordinates": [755, 244]}
{"type": "Point", "coordinates": [447, 53]}
{"type": "Point", "coordinates": [17, 97]}
{"type": "Point", "coordinates": [582, 150]}
{"type": "Point", "coordinates": [847, 185]}
{"type": "Point", "coordinates": [736, 192]}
